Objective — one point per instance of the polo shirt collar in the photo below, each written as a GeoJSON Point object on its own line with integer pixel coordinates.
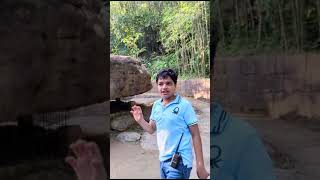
{"type": "Point", "coordinates": [175, 101]}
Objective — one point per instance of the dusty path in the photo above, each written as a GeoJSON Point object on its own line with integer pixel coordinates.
{"type": "Point", "coordinates": [301, 144]}
{"type": "Point", "coordinates": [130, 160]}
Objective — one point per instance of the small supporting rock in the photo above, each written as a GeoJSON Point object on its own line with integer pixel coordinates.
{"type": "Point", "coordinates": [128, 136]}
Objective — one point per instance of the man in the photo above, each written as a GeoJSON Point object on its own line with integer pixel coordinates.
{"type": "Point", "coordinates": [173, 118]}
{"type": "Point", "coordinates": [237, 152]}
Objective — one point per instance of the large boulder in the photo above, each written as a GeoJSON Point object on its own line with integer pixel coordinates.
{"type": "Point", "coordinates": [53, 56]}
{"type": "Point", "coordinates": [128, 77]}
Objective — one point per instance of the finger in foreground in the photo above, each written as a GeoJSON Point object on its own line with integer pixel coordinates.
{"type": "Point", "coordinates": [71, 161]}
{"type": "Point", "coordinates": [95, 150]}
{"type": "Point", "coordinates": [78, 147]}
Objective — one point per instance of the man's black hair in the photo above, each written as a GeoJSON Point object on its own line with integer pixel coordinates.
{"type": "Point", "coordinates": [163, 74]}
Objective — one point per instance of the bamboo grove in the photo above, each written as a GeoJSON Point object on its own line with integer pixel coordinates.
{"type": "Point", "coordinates": [263, 26]}
{"type": "Point", "coordinates": [163, 34]}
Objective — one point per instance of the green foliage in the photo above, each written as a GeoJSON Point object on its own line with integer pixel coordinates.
{"type": "Point", "coordinates": [128, 22]}
{"type": "Point", "coordinates": [264, 26]}
{"type": "Point", "coordinates": [177, 23]}
{"type": "Point", "coordinates": [160, 62]}
{"type": "Point", "coordinates": [164, 34]}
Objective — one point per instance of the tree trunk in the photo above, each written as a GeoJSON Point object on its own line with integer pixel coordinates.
{"type": "Point", "coordinates": [237, 19]}
{"type": "Point", "coordinates": [294, 24]}
{"type": "Point", "coordinates": [251, 14]}
{"type": "Point", "coordinates": [246, 20]}
{"type": "Point", "coordinates": [221, 27]}
{"type": "Point", "coordinates": [299, 6]}
{"type": "Point", "coordinates": [260, 22]}
{"type": "Point", "coordinates": [283, 32]}
{"type": "Point", "coordinates": [318, 12]}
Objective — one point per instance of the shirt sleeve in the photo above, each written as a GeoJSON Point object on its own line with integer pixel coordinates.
{"type": "Point", "coordinates": [255, 162]}
{"type": "Point", "coordinates": [152, 116]}
{"type": "Point", "coordinates": [190, 115]}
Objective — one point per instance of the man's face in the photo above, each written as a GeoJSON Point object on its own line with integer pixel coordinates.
{"type": "Point", "coordinates": [166, 87]}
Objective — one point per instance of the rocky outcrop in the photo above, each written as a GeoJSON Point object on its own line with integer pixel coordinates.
{"type": "Point", "coordinates": [128, 137]}
{"type": "Point", "coordinates": [128, 77]}
{"type": "Point", "coordinates": [121, 121]}
{"type": "Point", "coordinates": [121, 118]}
{"type": "Point", "coordinates": [52, 56]}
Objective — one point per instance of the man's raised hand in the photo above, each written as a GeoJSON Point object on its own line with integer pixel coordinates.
{"type": "Point", "coordinates": [137, 113]}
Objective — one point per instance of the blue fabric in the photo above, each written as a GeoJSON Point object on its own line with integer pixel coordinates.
{"type": "Point", "coordinates": [168, 172]}
{"type": "Point", "coordinates": [237, 152]}
{"type": "Point", "coordinates": [171, 121]}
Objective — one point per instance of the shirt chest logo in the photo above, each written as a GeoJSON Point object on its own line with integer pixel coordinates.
{"type": "Point", "coordinates": [216, 161]}
{"type": "Point", "coordinates": [175, 110]}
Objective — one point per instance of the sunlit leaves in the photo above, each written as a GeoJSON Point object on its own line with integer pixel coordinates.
{"type": "Point", "coordinates": [179, 31]}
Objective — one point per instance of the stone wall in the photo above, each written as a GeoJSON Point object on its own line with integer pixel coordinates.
{"type": "Point", "coordinates": [272, 84]}
{"type": "Point", "coordinates": [196, 88]}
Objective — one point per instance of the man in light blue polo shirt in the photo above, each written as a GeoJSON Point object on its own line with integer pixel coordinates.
{"type": "Point", "coordinates": [173, 118]}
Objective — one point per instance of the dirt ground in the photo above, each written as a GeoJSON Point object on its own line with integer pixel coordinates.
{"type": "Point", "coordinates": [296, 146]}
{"type": "Point", "coordinates": [129, 160]}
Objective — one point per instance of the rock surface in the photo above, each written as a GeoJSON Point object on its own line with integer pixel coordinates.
{"type": "Point", "coordinates": [52, 56]}
{"type": "Point", "coordinates": [128, 77]}
{"type": "Point", "coordinates": [121, 121]}
{"type": "Point", "coordinates": [128, 136]}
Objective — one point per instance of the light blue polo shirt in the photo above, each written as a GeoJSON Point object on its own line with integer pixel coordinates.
{"type": "Point", "coordinates": [171, 120]}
